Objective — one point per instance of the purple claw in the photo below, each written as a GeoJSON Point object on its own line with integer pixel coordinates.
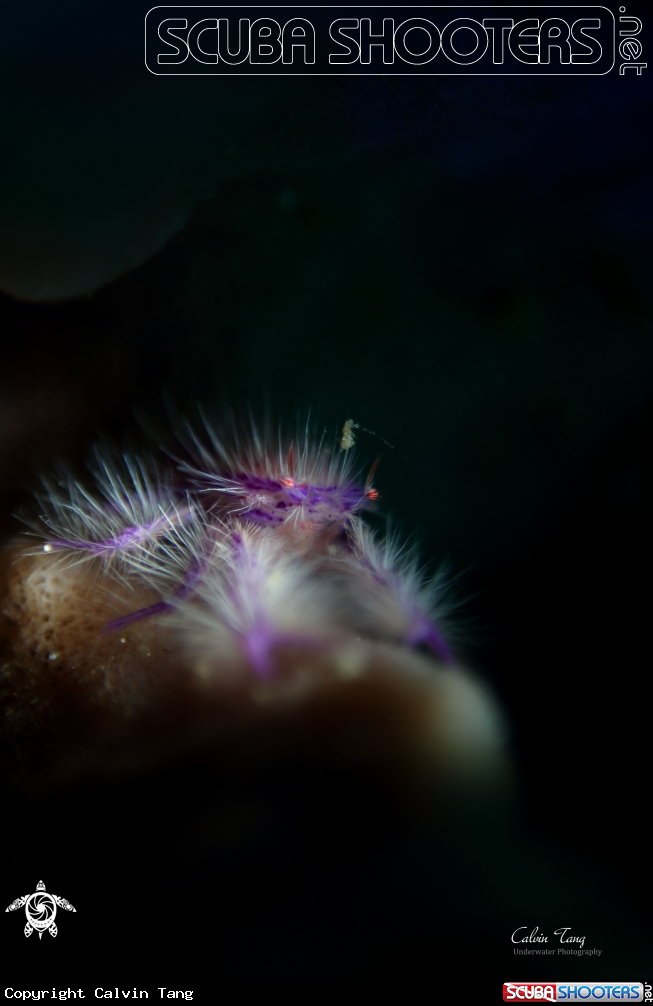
{"type": "Point", "coordinates": [258, 644]}
{"type": "Point", "coordinates": [129, 538]}
{"type": "Point", "coordinates": [424, 631]}
{"type": "Point", "coordinates": [136, 616]}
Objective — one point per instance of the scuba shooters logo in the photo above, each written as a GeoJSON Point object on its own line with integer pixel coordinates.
{"type": "Point", "coordinates": [572, 992]}
{"type": "Point", "coordinates": [41, 910]}
{"type": "Point", "coordinates": [483, 40]}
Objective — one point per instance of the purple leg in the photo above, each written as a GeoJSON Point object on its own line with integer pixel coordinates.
{"type": "Point", "coordinates": [135, 616]}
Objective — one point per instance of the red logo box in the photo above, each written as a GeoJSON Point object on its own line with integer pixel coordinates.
{"type": "Point", "coordinates": [532, 992]}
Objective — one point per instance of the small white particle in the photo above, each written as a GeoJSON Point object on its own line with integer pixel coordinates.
{"type": "Point", "coordinates": [347, 438]}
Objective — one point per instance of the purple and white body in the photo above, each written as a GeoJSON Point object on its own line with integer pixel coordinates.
{"type": "Point", "coordinates": [308, 487]}
{"type": "Point", "coordinates": [278, 559]}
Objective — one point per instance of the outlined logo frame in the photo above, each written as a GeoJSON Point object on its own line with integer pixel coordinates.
{"type": "Point", "coordinates": [40, 910]}
{"type": "Point", "coordinates": [271, 8]}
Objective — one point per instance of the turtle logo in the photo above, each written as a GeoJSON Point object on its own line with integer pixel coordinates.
{"type": "Point", "coordinates": [41, 910]}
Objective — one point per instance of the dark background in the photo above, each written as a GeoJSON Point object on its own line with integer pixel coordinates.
{"type": "Point", "coordinates": [461, 265]}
